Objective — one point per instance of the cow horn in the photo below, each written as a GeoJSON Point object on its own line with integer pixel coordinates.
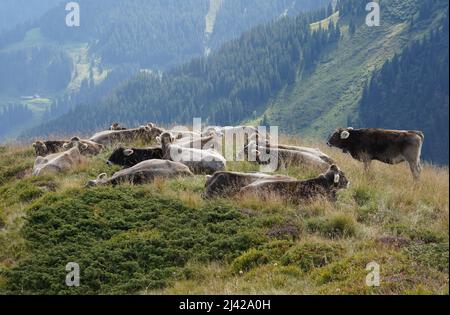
{"type": "Point", "coordinates": [102, 176]}
{"type": "Point", "coordinates": [345, 135]}
{"type": "Point", "coordinates": [158, 139]}
{"type": "Point", "coordinates": [128, 152]}
{"type": "Point", "coordinates": [151, 125]}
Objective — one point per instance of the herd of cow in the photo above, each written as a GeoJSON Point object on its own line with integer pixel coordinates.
{"type": "Point", "coordinates": [185, 153]}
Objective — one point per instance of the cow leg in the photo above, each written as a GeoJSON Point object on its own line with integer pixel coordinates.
{"type": "Point", "coordinates": [367, 164]}
{"type": "Point", "coordinates": [416, 169]}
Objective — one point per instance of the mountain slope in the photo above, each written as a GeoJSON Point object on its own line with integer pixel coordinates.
{"type": "Point", "coordinates": [116, 39]}
{"type": "Point", "coordinates": [16, 12]}
{"type": "Point", "coordinates": [330, 96]}
{"type": "Point", "coordinates": [165, 238]}
{"type": "Point", "coordinates": [412, 91]}
{"type": "Point", "coordinates": [305, 82]}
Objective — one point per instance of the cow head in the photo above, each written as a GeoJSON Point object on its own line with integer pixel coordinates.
{"type": "Point", "coordinates": [101, 179]}
{"type": "Point", "coordinates": [165, 139]}
{"type": "Point", "coordinates": [154, 131]}
{"type": "Point", "coordinates": [75, 142]}
{"type": "Point", "coordinates": [40, 148]}
{"type": "Point", "coordinates": [340, 138]}
{"type": "Point", "coordinates": [116, 126]}
{"type": "Point", "coordinates": [119, 156]}
{"type": "Point", "coordinates": [336, 178]}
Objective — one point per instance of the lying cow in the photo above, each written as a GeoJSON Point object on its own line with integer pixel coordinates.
{"type": "Point", "coordinates": [266, 145]}
{"type": "Point", "coordinates": [286, 158]}
{"type": "Point", "coordinates": [204, 143]}
{"type": "Point", "coordinates": [199, 161]}
{"type": "Point", "coordinates": [44, 148]}
{"type": "Point", "coordinates": [227, 184]}
{"type": "Point", "coordinates": [387, 146]}
{"type": "Point", "coordinates": [133, 156]}
{"type": "Point", "coordinates": [146, 134]}
{"type": "Point", "coordinates": [57, 162]}
{"type": "Point", "coordinates": [86, 147]}
{"type": "Point", "coordinates": [143, 173]}
{"type": "Point", "coordinates": [324, 186]}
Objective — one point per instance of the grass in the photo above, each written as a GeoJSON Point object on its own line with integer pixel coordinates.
{"type": "Point", "coordinates": [163, 238]}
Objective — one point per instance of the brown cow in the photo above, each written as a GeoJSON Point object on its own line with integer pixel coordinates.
{"type": "Point", "coordinates": [324, 186]}
{"type": "Point", "coordinates": [387, 146]}
{"type": "Point", "coordinates": [227, 184]}
{"type": "Point", "coordinates": [44, 148]}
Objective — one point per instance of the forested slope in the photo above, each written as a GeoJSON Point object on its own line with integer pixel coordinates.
{"type": "Point", "coordinates": [411, 92]}
{"type": "Point", "coordinates": [307, 80]}
{"type": "Point", "coordinates": [116, 39]}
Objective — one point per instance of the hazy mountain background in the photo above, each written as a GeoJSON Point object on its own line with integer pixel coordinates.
{"type": "Point", "coordinates": [235, 61]}
{"type": "Point", "coordinates": [48, 68]}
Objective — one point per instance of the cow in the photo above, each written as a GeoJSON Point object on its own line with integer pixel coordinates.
{"type": "Point", "coordinates": [143, 173]}
{"type": "Point", "coordinates": [285, 158]}
{"type": "Point", "coordinates": [86, 147]}
{"type": "Point", "coordinates": [324, 186]}
{"type": "Point", "coordinates": [266, 145]}
{"type": "Point", "coordinates": [184, 135]}
{"type": "Point", "coordinates": [203, 143]}
{"type": "Point", "coordinates": [146, 134]}
{"type": "Point", "coordinates": [57, 162]}
{"type": "Point", "coordinates": [227, 184]}
{"type": "Point", "coordinates": [44, 148]}
{"type": "Point", "coordinates": [199, 161]}
{"type": "Point", "coordinates": [116, 126]}
{"type": "Point", "coordinates": [133, 156]}
{"type": "Point", "coordinates": [387, 146]}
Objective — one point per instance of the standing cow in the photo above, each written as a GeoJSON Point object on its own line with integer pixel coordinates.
{"type": "Point", "coordinates": [387, 146]}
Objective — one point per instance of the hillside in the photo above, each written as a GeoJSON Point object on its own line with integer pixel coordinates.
{"type": "Point", "coordinates": [117, 39]}
{"type": "Point", "coordinates": [162, 238]}
{"type": "Point", "coordinates": [423, 103]}
{"type": "Point", "coordinates": [16, 12]}
{"type": "Point", "coordinates": [305, 74]}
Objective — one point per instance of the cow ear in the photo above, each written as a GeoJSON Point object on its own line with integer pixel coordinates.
{"type": "Point", "coordinates": [128, 152]}
{"type": "Point", "coordinates": [345, 135]}
{"type": "Point", "coordinates": [66, 145]}
{"type": "Point", "coordinates": [84, 146]}
{"type": "Point", "coordinates": [334, 168]}
{"type": "Point", "coordinates": [34, 145]}
{"type": "Point", "coordinates": [337, 177]}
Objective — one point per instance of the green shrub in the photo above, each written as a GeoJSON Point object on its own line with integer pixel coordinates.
{"type": "Point", "coordinates": [125, 239]}
{"type": "Point", "coordinates": [338, 225]}
{"type": "Point", "coordinates": [364, 195]}
{"type": "Point", "coordinates": [312, 255]}
{"type": "Point", "coordinates": [276, 249]}
{"type": "Point", "coordinates": [430, 255]}
{"type": "Point", "coordinates": [418, 233]}
{"type": "Point", "coordinates": [249, 260]}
